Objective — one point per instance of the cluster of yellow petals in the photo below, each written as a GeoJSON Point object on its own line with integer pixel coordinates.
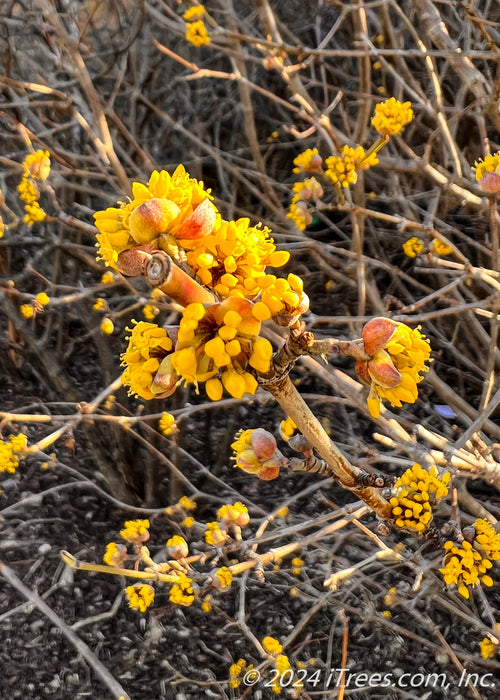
{"type": "Point", "coordinates": [167, 423]}
{"type": "Point", "coordinates": [194, 12]}
{"type": "Point", "coordinates": [413, 247]}
{"type": "Point", "coordinates": [309, 161]}
{"type": "Point", "coordinates": [236, 672]}
{"type": "Point", "coordinates": [223, 578]}
{"type": "Point", "coordinates": [398, 356]}
{"type": "Point", "coordinates": [440, 248]}
{"type": "Point", "coordinates": [182, 592]}
{"type": "Point", "coordinates": [215, 534]}
{"type": "Point", "coordinates": [140, 596]}
{"type": "Point", "coordinates": [392, 116]}
{"type": "Point", "coordinates": [234, 256]}
{"type": "Point", "coordinates": [196, 33]}
{"type": "Point", "coordinates": [222, 339]}
{"type": "Point", "coordinates": [148, 346]}
{"type": "Point", "coordinates": [10, 451]}
{"type": "Point", "coordinates": [343, 169]}
{"type": "Point", "coordinates": [153, 217]}
{"type": "Point", "coordinates": [229, 517]}
{"type": "Point", "coordinates": [490, 164]}
{"type": "Point", "coordinates": [490, 646]}
{"type": "Point", "coordinates": [415, 492]}
{"type": "Point", "coordinates": [135, 531]}
{"type": "Point", "coordinates": [236, 513]}
{"type": "Point", "coordinates": [115, 554]}
{"type": "Point", "coordinates": [285, 299]}
{"type": "Point", "coordinates": [37, 165]}
{"type": "Point", "coordinates": [271, 645]}
{"type": "Point", "coordinates": [305, 193]}
{"type": "Point", "coordinates": [254, 453]}
{"type": "Point", "coordinates": [288, 429]}
{"type": "Point", "coordinates": [464, 566]}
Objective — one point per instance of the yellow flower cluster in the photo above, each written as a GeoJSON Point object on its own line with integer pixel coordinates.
{"type": "Point", "coordinates": [167, 423]}
{"type": "Point", "coordinates": [255, 453]}
{"type": "Point", "coordinates": [135, 531]}
{"type": "Point", "coordinates": [182, 592]}
{"type": "Point", "coordinates": [107, 326]}
{"type": "Point", "coordinates": [223, 578]}
{"type": "Point", "coordinates": [271, 645]}
{"type": "Point", "coordinates": [221, 339]}
{"type": "Point", "coordinates": [413, 247]}
{"type": "Point", "coordinates": [392, 116]}
{"type": "Point", "coordinates": [287, 429]}
{"type": "Point", "coordinates": [309, 161]}
{"type": "Point", "coordinates": [193, 13]}
{"type": "Point", "coordinates": [160, 215]}
{"type": "Point", "coordinates": [416, 490]}
{"type": "Point", "coordinates": [215, 534]}
{"type": "Point", "coordinates": [233, 257]}
{"type": "Point", "coordinates": [229, 517]}
{"type": "Point", "coordinates": [297, 565]}
{"type": "Point", "coordinates": [236, 672]}
{"type": "Point", "coordinates": [304, 193]}
{"type": "Point", "coordinates": [148, 346]}
{"type": "Point", "coordinates": [177, 547]}
{"type": "Point", "coordinates": [488, 539]}
{"type": "Point", "coordinates": [398, 356]}
{"type": "Point", "coordinates": [196, 33]}
{"type": "Point", "coordinates": [285, 298]}
{"type": "Point", "coordinates": [10, 452]}
{"type": "Point", "coordinates": [465, 566]}
{"type": "Point", "coordinates": [36, 166]}
{"type": "Point", "coordinates": [115, 554]}
{"type": "Point", "coordinates": [282, 664]}
{"type": "Point", "coordinates": [343, 169]}
{"type": "Point", "coordinates": [34, 214]}
{"type": "Point", "coordinates": [27, 311]}
{"type": "Point", "coordinates": [490, 164]}
{"type": "Point", "coordinates": [140, 596]}
{"type": "Point", "coordinates": [236, 513]}
{"type": "Point", "coordinates": [490, 646]}
{"type": "Point", "coordinates": [441, 248]}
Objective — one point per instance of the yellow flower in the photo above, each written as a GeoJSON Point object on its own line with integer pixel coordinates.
{"type": "Point", "coordinates": [271, 645]}
{"type": "Point", "coordinates": [282, 664]}
{"type": "Point", "coordinates": [188, 522]}
{"type": "Point", "coordinates": [254, 453]}
{"type": "Point", "coordinates": [488, 539]}
{"type": "Point", "coordinates": [489, 645]}
{"type": "Point", "coordinates": [233, 256]}
{"type": "Point", "coordinates": [300, 214]}
{"type": "Point", "coordinates": [148, 348]}
{"type": "Point", "coordinates": [415, 491]}
{"type": "Point", "coordinates": [223, 578]}
{"type": "Point", "coordinates": [221, 340]}
{"type": "Point", "coordinates": [43, 299]}
{"type": "Point", "coordinates": [215, 536]}
{"type": "Point", "coordinates": [413, 247]}
{"type": "Point", "coordinates": [9, 459]}
{"type": "Point", "coordinates": [149, 312]}
{"type": "Point", "coordinates": [236, 513]}
{"type": "Point", "coordinates": [441, 248]}
{"type": "Point", "coordinates": [99, 304]}
{"type": "Point", "coordinates": [187, 503]}
{"type": "Point", "coordinates": [161, 214]}
{"type": "Point", "coordinates": [28, 191]}
{"type": "Point", "coordinates": [490, 164]}
{"type": "Point", "coordinates": [115, 554]}
{"type": "Point", "coordinates": [206, 604]}
{"type": "Point", "coordinates": [37, 165]}
{"type": "Point", "coordinates": [343, 169]}
{"type": "Point", "coordinates": [34, 214]}
{"type": "Point", "coordinates": [287, 429]}
{"type": "Point", "coordinates": [107, 278]}
{"type": "Point", "coordinates": [398, 356]}
{"type": "Point", "coordinates": [140, 596]}
{"type": "Point", "coordinates": [464, 566]}
{"type": "Point", "coordinates": [285, 298]}
{"type": "Point", "coordinates": [196, 33]}
{"type": "Point", "coordinates": [193, 13]}
{"type": "Point", "coordinates": [27, 311]}
{"type": "Point", "coordinates": [167, 423]}
{"type": "Point", "coordinates": [297, 565]}
{"type": "Point", "coordinates": [308, 161]}
{"type": "Point", "coordinates": [177, 547]}
{"type": "Point", "coordinates": [391, 116]}
{"type": "Point", "coordinates": [235, 672]}
{"type": "Point", "coordinates": [135, 531]}
{"type": "Point", "coordinates": [107, 326]}
{"type": "Point", "coordinates": [182, 592]}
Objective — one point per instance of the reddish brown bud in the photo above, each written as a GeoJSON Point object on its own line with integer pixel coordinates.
{"type": "Point", "coordinates": [361, 369]}
{"type": "Point", "coordinates": [490, 183]}
{"type": "Point", "coordinates": [382, 370]}
{"type": "Point", "coordinates": [199, 224]}
{"type": "Point", "coordinates": [263, 444]}
{"type": "Point", "coordinates": [269, 474]}
{"type": "Point", "coordinates": [377, 333]}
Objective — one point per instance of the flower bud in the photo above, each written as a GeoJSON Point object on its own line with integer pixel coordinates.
{"type": "Point", "coordinates": [151, 218]}
{"type": "Point", "coordinates": [361, 369]}
{"type": "Point", "coordinates": [269, 473]}
{"type": "Point", "coordinates": [199, 224]}
{"type": "Point", "coordinates": [248, 461]}
{"type": "Point", "coordinates": [377, 333]}
{"type": "Point", "coordinates": [490, 183]}
{"type": "Point", "coordinates": [177, 547]}
{"type": "Point", "coordinates": [263, 444]}
{"type": "Point", "coordinates": [382, 370]}
{"type": "Point", "coordinates": [165, 380]}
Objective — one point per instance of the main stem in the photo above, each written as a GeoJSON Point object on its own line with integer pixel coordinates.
{"type": "Point", "coordinates": [295, 407]}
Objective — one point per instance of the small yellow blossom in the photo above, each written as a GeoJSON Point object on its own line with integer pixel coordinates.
{"type": "Point", "coordinates": [27, 310]}
{"type": "Point", "coordinates": [283, 512]}
{"type": "Point", "coordinates": [28, 191]}
{"type": "Point", "coordinates": [182, 592]}
{"type": "Point", "coordinates": [34, 214]}
{"type": "Point", "coordinates": [223, 578]}
{"type": "Point", "coordinates": [236, 513]}
{"type": "Point", "coordinates": [167, 423]}
{"type": "Point", "coordinates": [140, 596]}
{"type": "Point", "coordinates": [215, 535]}
{"type": "Point", "coordinates": [386, 613]}
{"type": "Point", "coordinates": [206, 604]}
{"type": "Point", "coordinates": [196, 33]}
{"type": "Point", "coordinates": [297, 565]}
{"type": "Point", "coordinates": [490, 164]}
{"type": "Point", "coordinates": [415, 491]}
{"type": "Point", "coordinates": [177, 547]}
{"type": "Point", "coordinates": [37, 165]}
{"type": "Point", "coordinates": [100, 304]}
{"type": "Point", "coordinates": [391, 116]}
{"type": "Point", "coordinates": [193, 13]}
{"type": "Point", "coordinates": [413, 247]}
{"type": "Point", "coordinates": [42, 298]}
{"type": "Point", "coordinates": [441, 248]}
{"type": "Point", "coordinates": [107, 326]}
{"type": "Point", "coordinates": [149, 312]}
{"type": "Point", "coordinates": [271, 645]}
{"type": "Point", "coordinates": [308, 161]}
{"type": "Point", "coordinates": [282, 664]}
{"type": "Point", "coordinates": [9, 452]}
{"type": "Point", "coordinates": [107, 278]}
{"type": "Point", "coordinates": [135, 531]}
{"type": "Point", "coordinates": [187, 503]}
{"type": "Point", "coordinates": [115, 554]}
{"type": "Point", "coordinates": [235, 673]}
{"type": "Point", "coordinates": [343, 169]}
{"type": "Point", "coordinates": [287, 429]}
{"type": "Point", "coordinates": [188, 522]}
{"type": "Point", "coordinates": [489, 645]}
{"type": "Point", "coordinates": [265, 467]}
{"type": "Point", "coordinates": [148, 348]}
